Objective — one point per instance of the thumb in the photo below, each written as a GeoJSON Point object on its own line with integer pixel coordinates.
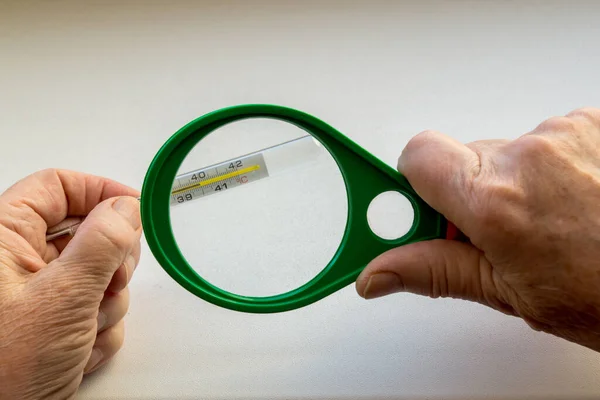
{"type": "Point", "coordinates": [441, 170]}
{"type": "Point", "coordinates": [437, 268]}
{"type": "Point", "coordinates": [102, 243]}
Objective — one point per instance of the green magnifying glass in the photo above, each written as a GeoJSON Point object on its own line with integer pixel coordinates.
{"type": "Point", "coordinates": [364, 178]}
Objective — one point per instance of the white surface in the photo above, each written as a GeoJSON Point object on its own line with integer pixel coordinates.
{"type": "Point", "coordinates": [390, 215]}
{"type": "Point", "coordinates": [99, 88]}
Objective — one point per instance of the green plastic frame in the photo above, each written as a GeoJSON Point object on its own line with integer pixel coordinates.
{"type": "Point", "coordinates": [364, 175]}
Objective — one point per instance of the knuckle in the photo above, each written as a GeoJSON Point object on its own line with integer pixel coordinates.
{"type": "Point", "coordinates": [119, 300]}
{"type": "Point", "coordinates": [120, 279]}
{"type": "Point", "coordinates": [589, 113]}
{"type": "Point", "coordinates": [534, 146]}
{"type": "Point", "coordinates": [47, 176]}
{"type": "Point", "coordinates": [46, 172]}
{"type": "Point", "coordinates": [556, 124]}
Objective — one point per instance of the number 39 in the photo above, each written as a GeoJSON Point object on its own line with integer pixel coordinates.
{"type": "Point", "coordinates": [181, 199]}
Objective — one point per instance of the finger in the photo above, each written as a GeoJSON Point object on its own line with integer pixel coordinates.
{"type": "Point", "coordinates": [54, 194]}
{"type": "Point", "coordinates": [123, 275]}
{"type": "Point", "coordinates": [568, 124]}
{"type": "Point", "coordinates": [575, 134]}
{"type": "Point", "coordinates": [47, 197]}
{"type": "Point", "coordinates": [587, 115]}
{"type": "Point", "coordinates": [103, 242]}
{"type": "Point", "coordinates": [557, 125]}
{"type": "Point", "coordinates": [108, 343]}
{"type": "Point", "coordinates": [440, 169]}
{"type": "Point", "coordinates": [438, 268]}
{"type": "Point", "coordinates": [113, 309]}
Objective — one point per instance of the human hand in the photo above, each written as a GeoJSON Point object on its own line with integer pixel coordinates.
{"type": "Point", "coordinates": [62, 303]}
{"type": "Point", "coordinates": [531, 209]}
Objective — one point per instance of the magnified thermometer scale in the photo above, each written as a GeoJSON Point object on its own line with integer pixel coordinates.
{"type": "Point", "coordinates": [235, 172]}
{"type": "Point", "coordinates": [244, 169]}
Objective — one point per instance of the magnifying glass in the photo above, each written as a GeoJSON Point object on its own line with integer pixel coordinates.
{"type": "Point", "coordinates": [283, 213]}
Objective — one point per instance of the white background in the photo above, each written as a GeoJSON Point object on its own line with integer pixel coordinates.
{"type": "Point", "coordinates": [99, 86]}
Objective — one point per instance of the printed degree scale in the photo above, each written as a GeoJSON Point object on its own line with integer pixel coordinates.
{"type": "Point", "coordinates": [242, 170]}
{"type": "Point", "coordinates": [365, 177]}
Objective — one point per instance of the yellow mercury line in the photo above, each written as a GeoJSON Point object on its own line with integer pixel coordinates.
{"type": "Point", "coordinates": [217, 179]}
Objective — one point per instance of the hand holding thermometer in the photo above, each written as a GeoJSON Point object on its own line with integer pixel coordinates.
{"type": "Point", "coordinates": [365, 177]}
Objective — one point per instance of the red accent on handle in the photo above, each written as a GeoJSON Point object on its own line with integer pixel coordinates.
{"type": "Point", "coordinates": [452, 232]}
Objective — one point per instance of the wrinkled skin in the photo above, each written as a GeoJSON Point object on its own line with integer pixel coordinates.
{"type": "Point", "coordinates": [62, 303]}
{"type": "Point", "coordinates": [531, 210]}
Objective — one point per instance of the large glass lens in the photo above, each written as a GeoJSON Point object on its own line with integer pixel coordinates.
{"type": "Point", "coordinates": [259, 207]}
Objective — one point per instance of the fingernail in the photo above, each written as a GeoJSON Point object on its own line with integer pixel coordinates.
{"type": "Point", "coordinates": [129, 208]}
{"type": "Point", "coordinates": [382, 284]}
{"type": "Point", "coordinates": [94, 360]}
{"type": "Point", "coordinates": [101, 320]}
{"type": "Point", "coordinates": [399, 164]}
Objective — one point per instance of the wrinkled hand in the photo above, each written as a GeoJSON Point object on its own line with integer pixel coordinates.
{"type": "Point", "coordinates": [62, 303]}
{"type": "Point", "coordinates": [531, 209]}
